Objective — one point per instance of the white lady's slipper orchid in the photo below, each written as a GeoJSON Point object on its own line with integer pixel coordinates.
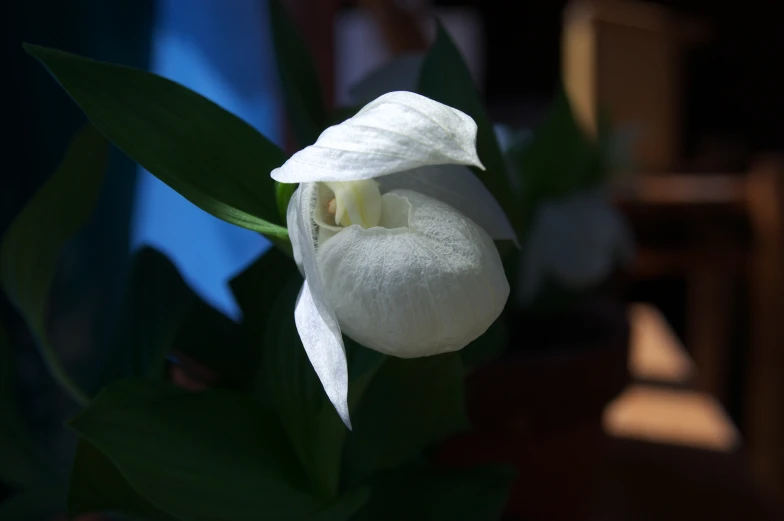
{"type": "Point", "coordinates": [576, 242]}
{"type": "Point", "coordinates": [394, 235]}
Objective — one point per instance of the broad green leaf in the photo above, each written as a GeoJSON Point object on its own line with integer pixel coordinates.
{"type": "Point", "coordinates": [312, 424]}
{"type": "Point", "coordinates": [208, 155]}
{"type": "Point", "coordinates": [316, 431]}
{"type": "Point", "coordinates": [487, 347]}
{"type": "Point", "coordinates": [345, 506]}
{"type": "Point", "coordinates": [446, 78]}
{"type": "Point", "coordinates": [363, 365]}
{"type": "Point", "coordinates": [435, 494]}
{"type": "Point", "coordinates": [560, 159]}
{"type": "Point", "coordinates": [283, 193]}
{"type": "Point", "coordinates": [28, 255]}
{"type": "Point", "coordinates": [209, 342]}
{"type": "Point", "coordinates": [257, 287]}
{"type": "Point", "coordinates": [410, 405]}
{"type": "Point", "coordinates": [267, 292]}
{"type": "Point", "coordinates": [34, 504]}
{"type": "Point", "coordinates": [97, 486]}
{"type": "Point", "coordinates": [199, 456]}
{"type": "Point", "coordinates": [298, 76]}
{"type": "Point", "coordinates": [22, 464]}
{"type": "Point", "coordinates": [155, 303]}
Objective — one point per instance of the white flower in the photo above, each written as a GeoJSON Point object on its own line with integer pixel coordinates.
{"type": "Point", "coordinates": [394, 236]}
{"type": "Point", "coordinates": [576, 241]}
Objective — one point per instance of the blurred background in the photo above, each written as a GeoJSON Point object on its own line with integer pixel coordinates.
{"type": "Point", "coordinates": [696, 428]}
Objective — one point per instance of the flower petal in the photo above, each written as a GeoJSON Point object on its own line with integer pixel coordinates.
{"type": "Point", "coordinates": [458, 187]}
{"type": "Point", "coordinates": [325, 352]}
{"type": "Point", "coordinates": [316, 322]}
{"type": "Point", "coordinates": [431, 283]}
{"type": "Point", "coordinates": [398, 131]}
{"type": "Point", "coordinates": [295, 235]}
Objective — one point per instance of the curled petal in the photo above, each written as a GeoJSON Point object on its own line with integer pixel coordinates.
{"type": "Point", "coordinates": [427, 281]}
{"type": "Point", "coordinates": [325, 352]}
{"type": "Point", "coordinates": [398, 131]}
{"type": "Point", "coordinates": [316, 322]}
{"type": "Point", "coordinates": [458, 187]}
{"type": "Point", "coordinates": [296, 236]}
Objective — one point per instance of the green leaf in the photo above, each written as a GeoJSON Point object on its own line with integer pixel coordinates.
{"type": "Point", "coordinates": [363, 365]}
{"type": "Point", "coordinates": [298, 76]}
{"type": "Point", "coordinates": [344, 508]}
{"type": "Point", "coordinates": [311, 422]}
{"type": "Point", "coordinates": [22, 464]}
{"type": "Point", "coordinates": [209, 156]}
{"type": "Point", "coordinates": [446, 78]}
{"type": "Point", "coordinates": [487, 347]}
{"type": "Point", "coordinates": [156, 301]}
{"type": "Point", "coordinates": [314, 427]}
{"type": "Point", "coordinates": [561, 159]}
{"type": "Point", "coordinates": [28, 255]}
{"type": "Point", "coordinates": [267, 292]}
{"type": "Point", "coordinates": [98, 486]}
{"type": "Point", "coordinates": [256, 288]}
{"type": "Point", "coordinates": [203, 456]}
{"type": "Point", "coordinates": [409, 405]}
{"type": "Point", "coordinates": [34, 504]}
{"type": "Point", "coordinates": [283, 193]}
{"type": "Point", "coordinates": [211, 347]}
{"type": "Point", "coordinates": [434, 494]}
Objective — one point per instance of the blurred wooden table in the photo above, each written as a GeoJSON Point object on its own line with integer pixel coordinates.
{"type": "Point", "coordinates": [673, 453]}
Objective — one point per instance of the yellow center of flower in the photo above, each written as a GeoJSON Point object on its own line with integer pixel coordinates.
{"type": "Point", "coordinates": [355, 202]}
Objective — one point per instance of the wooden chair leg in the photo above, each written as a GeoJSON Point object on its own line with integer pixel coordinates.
{"type": "Point", "coordinates": [710, 302]}
{"type": "Point", "coordinates": [765, 393]}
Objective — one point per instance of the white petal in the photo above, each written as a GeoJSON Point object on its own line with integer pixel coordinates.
{"type": "Point", "coordinates": [401, 73]}
{"type": "Point", "coordinates": [326, 353]}
{"type": "Point", "coordinates": [398, 131]}
{"type": "Point", "coordinates": [458, 187]}
{"type": "Point", "coordinates": [295, 236]}
{"type": "Point", "coordinates": [317, 324]}
{"type": "Point", "coordinates": [426, 288]}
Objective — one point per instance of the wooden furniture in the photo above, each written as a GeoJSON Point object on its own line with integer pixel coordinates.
{"type": "Point", "coordinates": [660, 449]}
{"type": "Point", "coordinates": [765, 400]}
{"type": "Point", "coordinates": [624, 57]}
{"type": "Point", "coordinates": [709, 269]}
{"type": "Point", "coordinates": [672, 452]}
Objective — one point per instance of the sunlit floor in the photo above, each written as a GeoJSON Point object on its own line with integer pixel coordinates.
{"type": "Point", "coordinates": [673, 452]}
{"type": "Point", "coordinates": [666, 410]}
